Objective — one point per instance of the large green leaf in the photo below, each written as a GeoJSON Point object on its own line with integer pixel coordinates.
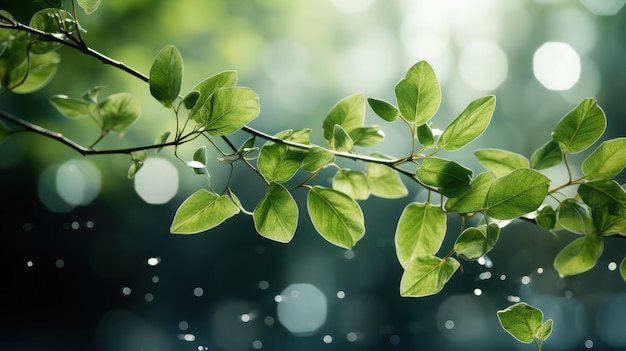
{"type": "Point", "coordinates": [118, 111]}
{"type": "Point", "coordinates": [229, 109]}
{"type": "Point", "coordinates": [336, 216]}
{"type": "Point", "coordinates": [38, 70]}
{"type": "Point", "coordinates": [202, 211]}
{"type": "Point", "coordinates": [469, 125]}
{"type": "Point", "coordinates": [501, 162]}
{"type": "Point", "coordinates": [279, 162]}
{"type": "Point", "coordinates": [449, 177]}
{"type": "Point", "coordinates": [89, 5]}
{"type": "Point", "coordinates": [353, 183]}
{"type": "Point", "coordinates": [607, 161]}
{"type": "Point", "coordinates": [517, 193]}
{"type": "Point", "coordinates": [166, 75]}
{"type": "Point", "coordinates": [427, 275]}
{"type": "Point", "coordinates": [418, 94]}
{"type": "Point", "coordinates": [316, 158]}
{"type": "Point", "coordinates": [71, 107]}
{"type": "Point", "coordinates": [602, 193]}
{"type": "Point", "coordinates": [579, 256]}
{"type": "Point", "coordinates": [605, 222]}
{"type": "Point", "coordinates": [475, 242]}
{"type": "Point", "coordinates": [547, 155]}
{"type": "Point", "coordinates": [420, 231]}
{"type": "Point", "coordinates": [276, 215]}
{"type": "Point", "coordinates": [525, 323]}
{"type": "Point", "coordinates": [384, 109]}
{"type": "Point", "coordinates": [384, 181]}
{"type": "Point", "coordinates": [349, 113]}
{"type": "Point", "coordinates": [204, 90]}
{"type": "Point", "coordinates": [581, 127]}
{"type": "Point", "coordinates": [574, 216]}
{"type": "Point", "coordinates": [546, 217]}
{"type": "Point", "coordinates": [473, 198]}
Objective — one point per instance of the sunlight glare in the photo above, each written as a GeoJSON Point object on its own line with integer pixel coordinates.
{"type": "Point", "coordinates": [556, 65]}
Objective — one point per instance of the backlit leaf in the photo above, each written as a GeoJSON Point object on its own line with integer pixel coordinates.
{"type": "Point", "coordinates": [602, 193]}
{"type": "Point", "coordinates": [202, 211]}
{"type": "Point", "coordinates": [469, 125]}
{"type": "Point", "coordinates": [279, 162]}
{"type": "Point", "coordinates": [166, 75]}
{"type": "Point", "coordinates": [89, 5]}
{"type": "Point", "coordinates": [523, 322]}
{"type": "Point", "coordinates": [517, 193]}
{"type": "Point", "coordinates": [118, 111]}
{"type": "Point", "coordinates": [50, 20]}
{"type": "Point", "coordinates": [418, 94]}
{"type": "Point", "coordinates": [71, 107]}
{"type": "Point", "coordinates": [353, 183]}
{"type": "Point", "coordinates": [581, 127]}
{"type": "Point", "coordinates": [349, 113]}
{"type": "Point", "coordinates": [475, 242]}
{"type": "Point", "coordinates": [574, 216]}
{"type": "Point", "coordinates": [316, 158]}
{"type": "Point", "coordinates": [384, 109]}
{"type": "Point", "coordinates": [425, 136]}
{"type": "Point", "coordinates": [341, 140]}
{"type": "Point", "coordinates": [546, 156]}
{"type": "Point", "coordinates": [420, 231]}
{"type": "Point", "coordinates": [205, 89]}
{"type": "Point", "coordinates": [200, 158]}
{"type": "Point", "coordinates": [384, 182]}
{"type": "Point", "coordinates": [276, 215]}
{"type": "Point", "coordinates": [607, 161]}
{"type": "Point", "coordinates": [449, 177]}
{"type": "Point", "coordinates": [367, 136]}
{"type": "Point", "coordinates": [336, 216]}
{"type": "Point", "coordinates": [427, 275]}
{"type": "Point", "coordinates": [473, 198]}
{"type": "Point", "coordinates": [229, 109]}
{"type": "Point", "coordinates": [579, 256]}
{"type": "Point", "coordinates": [501, 162]}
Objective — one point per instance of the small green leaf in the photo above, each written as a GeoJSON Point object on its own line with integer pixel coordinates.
{"type": "Point", "coordinates": [546, 217]}
{"type": "Point", "coordinates": [367, 136]}
{"type": "Point", "coordinates": [316, 158]}
{"type": "Point", "coordinates": [545, 330]}
{"type": "Point", "coordinates": [469, 125]}
{"type": "Point", "coordinates": [190, 100]}
{"type": "Point", "coordinates": [546, 156]}
{"type": "Point", "coordinates": [276, 215]}
{"type": "Point", "coordinates": [475, 242]}
{"type": "Point", "coordinates": [54, 21]}
{"type": "Point", "coordinates": [161, 140]}
{"type": "Point", "coordinates": [247, 147]}
{"type": "Point", "coordinates": [202, 211]}
{"type": "Point", "coordinates": [39, 70]}
{"type": "Point", "coordinates": [200, 158]}
{"type": "Point", "coordinates": [383, 181]}
{"type": "Point", "coordinates": [336, 216]}
{"type": "Point", "coordinates": [228, 109]}
{"type": "Point", "coordinates": [118, 111]}
{"type": "Point", "coordinates": [501, 162]}
{"type": "Point", "coordinates": [523, 322]}
{"type": "Point", "coordinates": [516, 194]}
{"type": "Point", "coordinates": [622, 269]}
{"type": "Point", "coordinates": [279, 162]}
{"type": "Point", "coordinates": [574, 216]}
{"type": "Point", "coordinates": [418, 94]}
{"type": "Point", "coordinates": [427, 275]}
{"type": "Point", "coordinates": [425, 136]}
{"type": "Point", "coordinates": [341, 140]}
{"type": "Point", "coordinates": [138, 158]}
{"type": "Point", "coordinates": [349, 113]}
{"type": "Point", "coordinates": [607, 161]}
{"type": "Point", "coordinates": [420, 231]}
{"type": "Point", "coordinates": [579, 256]}
{"type": "Point", "coordinates": [90, 6]}
{"type": "Point", "coordinates": [384, 109]}
{"type": "Point", "coordinates": [71, 107]}
{"type": "Point", "coordinates": [449, 177]}
{"type": "Point", "coordinates": [352, 183]}
{"type": "Point", "coordinates": [91, 95]}
{"type": "Point", "coordinates": [473, 198]}
{"type": "Point", "coordinates": [205, 89]}
{"type": "Point", "coordinates": [581, 127]}
{"type": "Point", "coordinates": [166, 75]}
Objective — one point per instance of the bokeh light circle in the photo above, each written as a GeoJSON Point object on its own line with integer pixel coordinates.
{"type": "Point", "coordinates": [78, 182]}
{"type": "Point", "coordinates": [157, 181]}
{"type": "Point", "coordinates": [556, 65]}
{"type": "Point", "coordinates": [483, 65]}
{"type": "Point", "coordinates": [302, 309]}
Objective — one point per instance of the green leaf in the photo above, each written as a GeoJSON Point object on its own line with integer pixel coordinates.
{"type": "Point", "coordinates": [606, 223]}
{"type": "Point", "coordinates": [91, 95]}
{"type": "Point", "coordinates": [205, 90]}
{"type": "Point", "coordinates": [469, 125]}
{"type": "Point", "coordinates": [475, 242]}
{"type": "Point", "coordinates": [384, 182]}
{"type": "Point", "coordinates": [341, 140]}
{"type": "Point", "coordinates": [420, 231]}
{"type": "Point", "coordinates": [427, 275]}
{"type": "Point", "coordinates": [54, 21]}
{"type": "Point", "coordinates": [602, 193]}
{"type": "Point", "coordinates": [279, 162]}
{"type": "Point", "coordinates": [500, 162]}
{"type": "Point", "coordinates": [229, 109]}
{"type": "Point", "coordinates": [247, 147]}
{"type": "Point", "coordinates": [90, 6]}
{"type": "Point", "coordinates": [546, 217]}
{"type": "Point", "coordinates": [622, 269]}
{"type": "Point", "coordinates": [349, 113]}
{"type": "Point", "coordinates": [316, 158]}
{"type": "Point", "coordinates": [545, 330]}
{"type": "Point", "coordinates": [118, 111]}
{"type": "Point", "coordinates": [336, 216]}
{"type": "Point", "coordinates": [473, 198]}
{"type": "Point", "coordinates": [524, 322]}
{"type": "Point", "coordinates": [384, 109]}
{"type": "Point", "coordinates": [190, 100]}
{"type": "Point", "coordinates": [71, 107]}
{"type": "Point", "coordinates": [546, 156]}
{"type": "Point", "coordinates": [162, 139]}
{"type": "Point", "coordinates": [607, 161]}
{"type": "Point", "coordinates": [38, 72]}
{"type": "Point", "coordinates": [418, 94]}
{"type": "Point", "coordinates": [367, 136]}
{"type": "Point", "coordinates": [574, 216]}
{"type": "Point", "coordinates": [425, 136]}
{"type": "Point", "coordinates": [579, 256]}
{"type": "Point", "coordinates": [449, 177]}
{"type": "Point", "coordinates": [516, 194]}
{"type": "Point", "coordinates": [166, 75]}
{"type": "Point", "coordinates": [581, 127]}
{"type": "Point", "coordinates": [352, 183]}
{"type": "Point", "coordinates": [276, 215]}
{"type": "Point", "coordinates": [200, 160]}
{"type": "Point", "coordinates": [202, 211]}
{"type": "Point", "coordinates": [138, 158]}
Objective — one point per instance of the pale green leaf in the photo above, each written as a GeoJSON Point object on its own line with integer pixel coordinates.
{"type": "Point", "coordinates": [581, 127]}
{"type": "Point", "coordinates": [473, 198]}
{"type": "Point", "coordinates": [50, 20]}
{"type": "Point", "coordinates": [336, 216]}
{"type": "Point", "coordinates": [420, 231]}
{"type": "Point", "coordinates": [543, 333]}
{"type": "Point", "coordinates": [39, 71]}
{"type": "Point", "coordinates": [279, 162]}
{"type": "Point", "coordinates": [349, 113]}
{"type": "Point", "coordinates": [118, 111]}
{"type": "Point", "coordinates": [341, 140]}
{"type": "Point", "coordinates": [546, 156]}
{"type": "Point", "coordinates": [90, 6]}
{"type": "Point", "coordinates": [316, 158]}
{"type": "Point", "coordinates": [500, 162]}
{"type": "Point", "coordinates": [469, 125]}
{"type": "Point", "coordinates": [425, 136]}
{"type": "Point", "coordinates": [228, 109]}
{"type": "Point", "coordinates": [579, 256]}
{"type": "Point", "coordinates": [523, 322]}
{"type": "Point", "coordinates": [205, 90]}
{"type": "Point", "coordinates": [384, 182]}
{"type": "Point", "coordinates": [384, 109]}
{"type": "Point", "coordinates": [427, 275]}
{"type": "Point", "coordinates": [475, 242]}
{"type": "Point", "coordinates": [166, 75]}
{"type": "Point", "coordinates": [607, 161]}
{"type": "Point", "coordinates": [202, 211]}
{"type": "Point", "coordinates": [449, 177]}
{"type": "Point", "coordinates": [574, 216]}
{"type": "Point", "coordinates": [418, 94]}
{"type": "Point", "coordinates": [602, 193]}
{"type": "Point", "coordinates": [200, 158]}
{"type": "Point", "coordinates": [517, 193]}
{"type": "Point", "coordinates": [138, 158]}
{"type": "Point", "coordinates": [367, 136]}
{"type": "Point", "coordinates": [276, 215]}
{"type": "Point", "coordinates": [71, 107]}
{"type": "Point", "coordinates": [352, 183]}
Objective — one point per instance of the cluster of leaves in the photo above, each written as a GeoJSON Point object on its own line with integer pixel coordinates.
{"type": "Point", "coordinates": [511, 187]}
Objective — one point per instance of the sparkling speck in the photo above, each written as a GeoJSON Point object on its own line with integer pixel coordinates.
{"type": "Point", "coordinates": [126, 291]}
{"type": "Point", "coordinates": [349, 254]}
{"type": "Point", "coordinates": [449, 324]}
{"type": "Point", "coordinates": [257, 344]}
{"type": "Point", "coordinates": [59, 263]}
{"type": "Point", "coordinates": [341, 294]}
{"type": "Point", "coordinates": [478, 292]}
{"type": "Point", "coordinates": [612, 266]}
{"type": "Point", "coordinates": [153, 261]}
{"type": "Point", "coordinates": [29, 263]}
{"type": "Point", "coordinates": [589, 344]}
{"type": "Point", "coordinates": [149, 297]}
{"type": "Point", "coordinates": [525, 280]}
{"type": "Point", "coordinates": [183, 325]}
{"type": "Point", "coordinates": [264, 285]}
{"type": "Point", "coordinates": [198, 291]}
{"type": "Point", "coordinates": [327, 339]}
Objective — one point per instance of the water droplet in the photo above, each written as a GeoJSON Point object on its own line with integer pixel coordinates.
{"type": "Point", "coordinates": [589, 344]}
{"type": "Point", "coordinates": [155, 279]}
{"type": "Point", "coordinates": [478, 292]}
{"type": "Point", "coordinates": [153, 261]}
{"type": "Point", "coordinates": [341, 294]}
{"type": "Point", "coordinates": [245, 318]}
{"type": "Point", "coordinates": [512, 298]}
{"type": "Point", "coordinates": [484, 275]}
{"type": "Point", "coordinates": [352, 337]}
{"type": "Point", "coordinates": [612, 266]}
{"type": "Point", "coordinates": [278, 298]}
{"type": "Point", "coordinates": [75, 225]}
{"type": "Point", "coordinates": [268, 320]}
{"type": "Point", "coordinates": [29, 263]}
{"type": "Point", "coordinates": [126, 291]}
{"type": "Point", "coordinates": [525, 280]}
{"type": "Point", "coordinates": [89, 224]}
{"type": "Point", "coordinates": [327, 339]}
{"type": "Point", "coordinates": [539, 270]}
{"type": "Point", "coordinates": [503, 277]}
{"type": "Point", "coordinates": [198, 291]}
{"type": "Point", "coordinates": [188, 337]}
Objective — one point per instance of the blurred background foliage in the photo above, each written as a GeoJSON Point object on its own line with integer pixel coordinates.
{"type": "Point", "coordinates": [78, 262]}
